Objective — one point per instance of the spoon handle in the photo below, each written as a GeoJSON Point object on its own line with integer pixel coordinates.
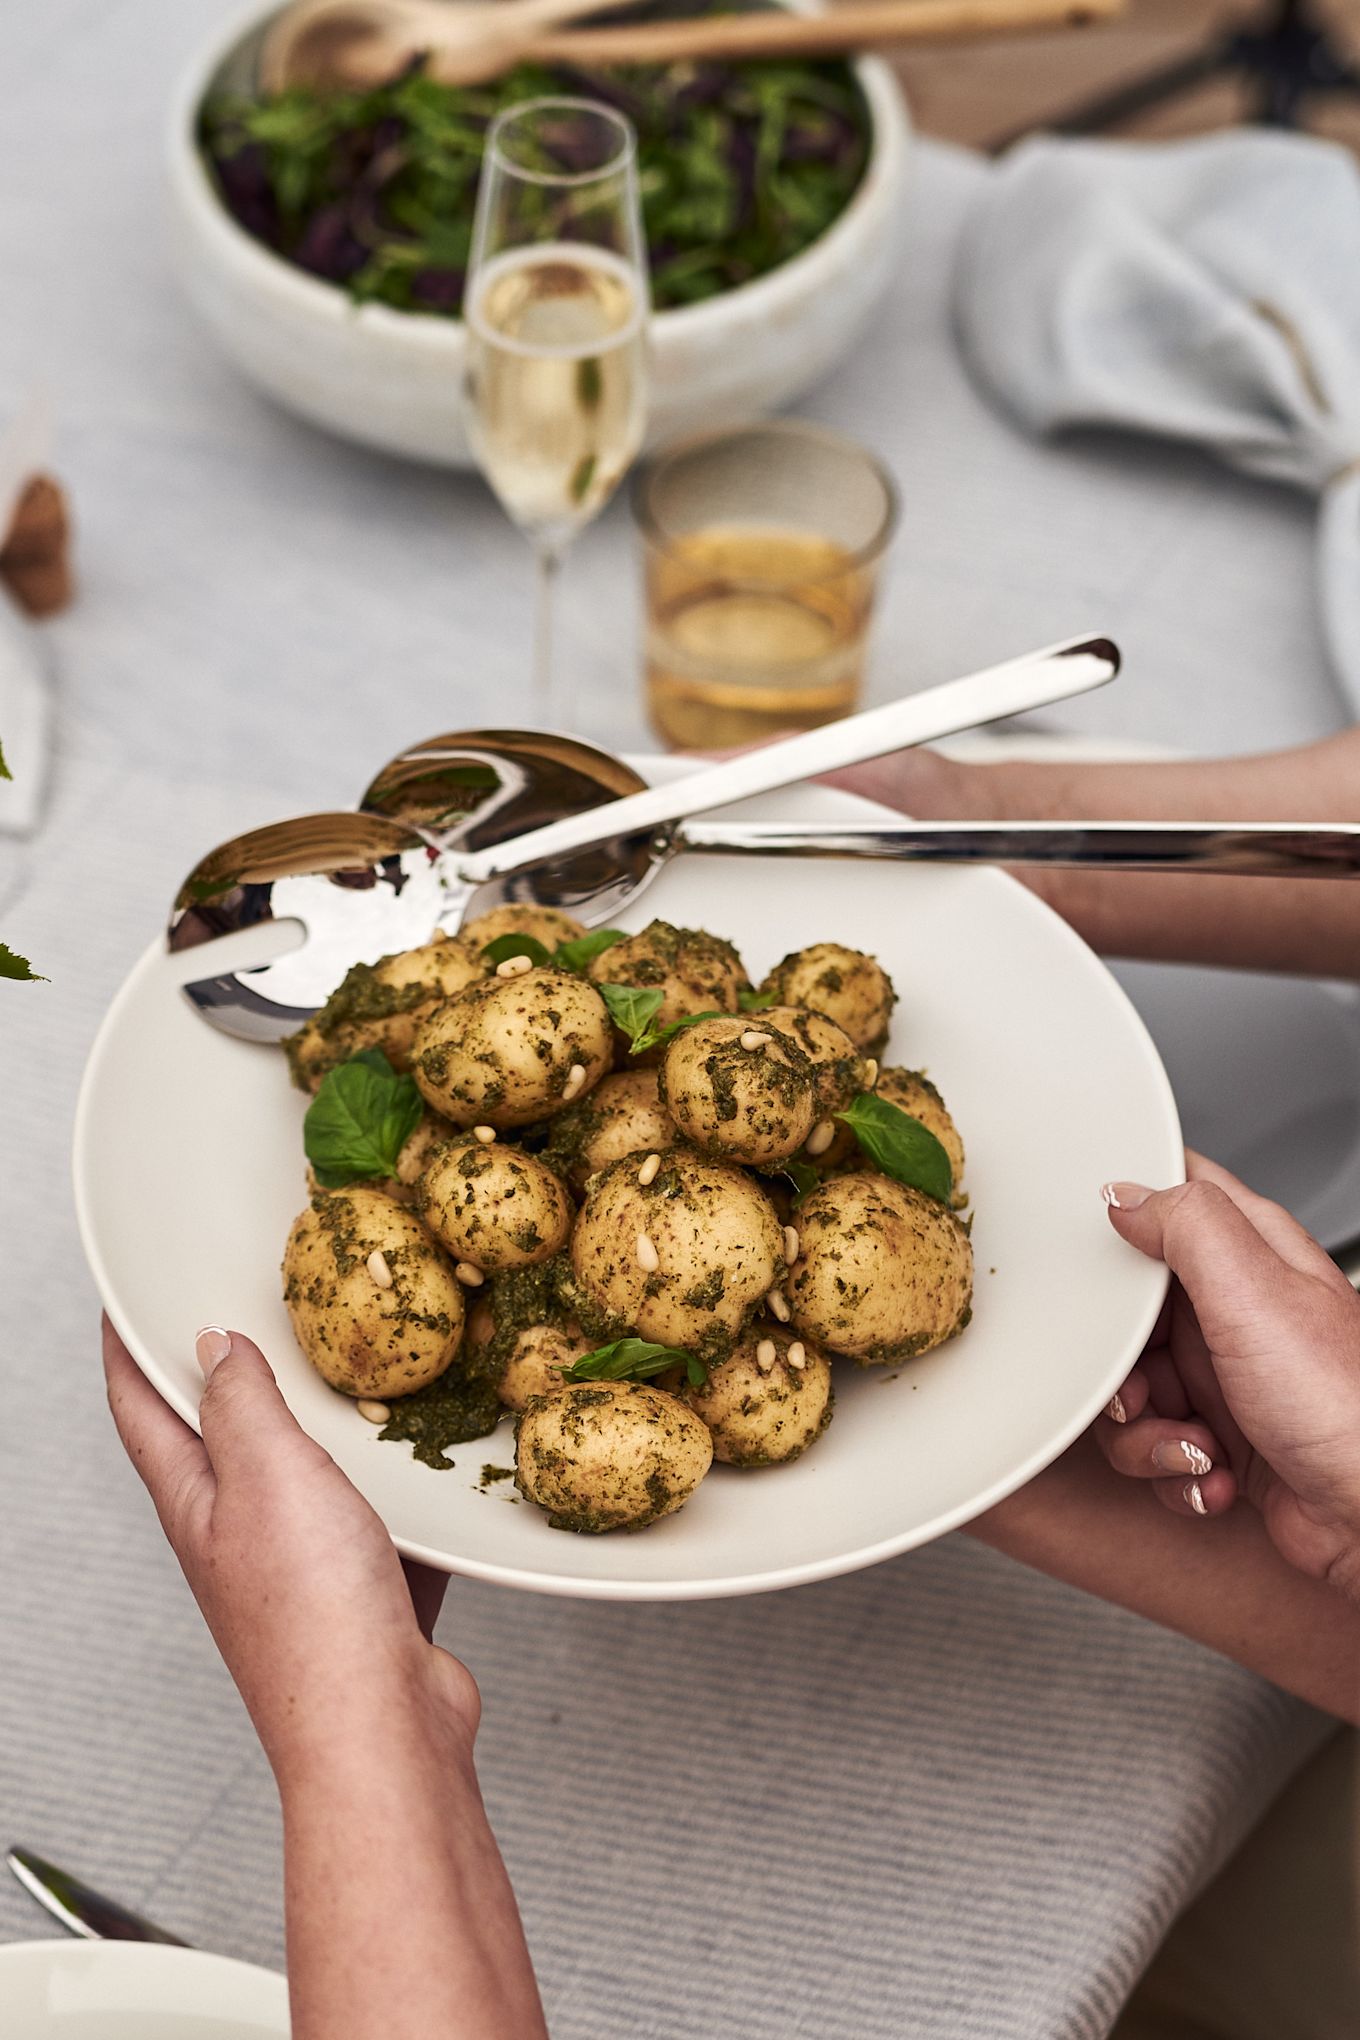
{"type": "Point", "coordinates": [1225, 849]}
{"type": "Point", "coordinates": [1054, 674]}
{"type": "Point", "coordinates": [859, 24]}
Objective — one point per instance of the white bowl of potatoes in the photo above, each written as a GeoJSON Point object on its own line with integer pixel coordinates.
{"type": "Point", "coordinates": [390, 378]}
{"type": "Point", "coordinates": [599, 1255]}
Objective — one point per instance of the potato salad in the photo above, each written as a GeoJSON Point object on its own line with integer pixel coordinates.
{"type": "Point", "coordinates": [605, 1185]}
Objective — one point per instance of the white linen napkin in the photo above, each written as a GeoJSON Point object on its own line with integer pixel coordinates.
{"type": "Point", "coordinates": [1205, 290]}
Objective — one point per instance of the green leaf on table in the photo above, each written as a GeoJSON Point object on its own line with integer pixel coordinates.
{"type": "Point", "coordinates": [503, 947]}
{"type": "Point", "coordinates": [633, 1011]}
{"type": "Point", "coordinates": [755, 1002]}
{"type": "Point", "coordinates": [360, 1120]}
{"type": "Point", "coordinates": [635, 1360]}
{"type": "Point", "coordinates": [900, 1145]}
{"type": "Point", "coordinates": [5, 772]}
{"type": "Point", "coordinates": [583, 949]}
{"type": "Point", "coordinates": [19, 967]}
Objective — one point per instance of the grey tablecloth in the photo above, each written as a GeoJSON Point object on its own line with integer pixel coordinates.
{"type": "Point", "coordinates": [944, 1799]}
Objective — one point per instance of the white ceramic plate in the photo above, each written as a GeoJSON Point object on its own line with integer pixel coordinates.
{"type": "Point", "coordinates": [130, 1990]}
{"type": "Point", "coordinates": [188, 1170]}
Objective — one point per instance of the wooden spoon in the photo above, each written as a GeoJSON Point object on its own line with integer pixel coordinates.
{"type": "Point", "coordinates": [367, 42]}
{"type": "Point", "coordinates": [364, 42]}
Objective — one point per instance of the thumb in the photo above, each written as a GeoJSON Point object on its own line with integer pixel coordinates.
{"type": "Point", "coordinates": [246, 1425]}
{"type": "Point", "coordinates": [1235, 1280]}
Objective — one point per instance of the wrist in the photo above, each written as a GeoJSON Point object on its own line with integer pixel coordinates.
{"type": "Point", "coordinates": [410, 1717]}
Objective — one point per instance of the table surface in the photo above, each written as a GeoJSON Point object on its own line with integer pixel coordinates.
{"type": "Point", "coordinates": [944, 1798]}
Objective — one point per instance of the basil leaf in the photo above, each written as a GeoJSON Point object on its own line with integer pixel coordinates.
{"type": "Point", "coordinates": [19, 967]}
{"type": "Point", "coordinates": [632, 1011]}
{"type": "Point", "coordinates": [803, 1177]}
{"type": "Point", "coordinates": [635, 1360]}
{"type": "Point", "coordinates": [755, 1002]}
{"type": "Point", "coordinates": [360, 1120]}
{"type": "Point", "coordinates": [576, 954]}
{"type": "Point", "coordinates": [503, 947]}
{"type": "Point", "coordinates": [5, 772]}
{"type": "Point", "coordinates": [901, 1146]}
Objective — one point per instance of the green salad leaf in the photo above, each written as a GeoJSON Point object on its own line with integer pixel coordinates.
{"type": "Point", "coordinates": [359, 1121]}
{"type": "Point", "coordinates": [583, 949]}
{"type": "Point", "coordinates": [635, 1360]}
{"type": "Point", "coordinates": [900, 1145]}
{"type": "Point", "coordinates": [502, 947]}
{"type": "Point", "coordinates": [740, 167]}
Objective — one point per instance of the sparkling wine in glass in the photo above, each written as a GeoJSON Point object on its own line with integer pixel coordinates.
{"type": "Point", "coordinates": [556, 311]}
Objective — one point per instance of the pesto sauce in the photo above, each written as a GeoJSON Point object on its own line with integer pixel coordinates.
{"type": "Point", "coordinates": [462, 1404]}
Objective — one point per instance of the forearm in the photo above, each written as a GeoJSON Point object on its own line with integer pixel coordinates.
{"type": "Point", "coordinates": [401, 1919]}
{"type": "Point", "coordinates": [1307, 926]}
{"type": "Point", "coordinates": [1219, 1581]}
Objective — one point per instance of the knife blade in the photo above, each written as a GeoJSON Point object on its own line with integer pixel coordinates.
{"type": "Point", "coordinates": [81, 1910]}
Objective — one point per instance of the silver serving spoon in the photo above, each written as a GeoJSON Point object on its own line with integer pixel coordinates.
{"type": "Point", "coordinates": [443, 820]}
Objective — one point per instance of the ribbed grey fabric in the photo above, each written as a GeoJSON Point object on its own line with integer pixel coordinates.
{"type": "Point", "coordinates": [944, 1800]}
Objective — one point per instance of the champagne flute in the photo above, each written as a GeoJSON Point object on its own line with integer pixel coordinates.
{"type": "Point", "coordinates": [556, 310]}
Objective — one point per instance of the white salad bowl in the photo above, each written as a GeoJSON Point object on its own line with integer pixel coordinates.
{"type": "Point", "coordinates": [391, 379]}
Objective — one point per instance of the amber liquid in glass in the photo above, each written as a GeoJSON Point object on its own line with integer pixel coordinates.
{"type": "Point", "coordinates": [750, 630]}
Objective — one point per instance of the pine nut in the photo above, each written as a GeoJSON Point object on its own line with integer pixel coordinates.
{"type": "Point", "coordinates": [514, 966]}
{"type": "Point", "coordinates": [576, 1076]}
{"type": "Point", "coordinates": [485, 1134]}
{"type": "Point", "coordinates": [379, 1270]}
{"type": "Point", "coordinates": [797, 1356]}
{"type": "Point", "coordinates": [791, 1245]}
{"type": "Point", "coordinates": [766, 1355]}
{"type": "Point", "coordinates": [647, 1257]}
{"type": "Point", "coordinates": [374, 1412]}
{"type": "Point", "coordinates": [821, 1137]}
{"type": "Point", "coordinates": [778, 1307]}
{"type": "Point", "coordinates": [469, 1274]}
{"type": "Point", "coordinates": [647, 1173]}
{"type": "Point", "coordinates": [753, 1038]}
{"type": "Point", "coordinates": [870, 1073]}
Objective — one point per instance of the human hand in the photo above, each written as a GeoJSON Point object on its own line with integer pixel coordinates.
{"type": "Point", "coordinates": [323, 1630]}
{"type": "Point", "coordinates": [1250, 1385]}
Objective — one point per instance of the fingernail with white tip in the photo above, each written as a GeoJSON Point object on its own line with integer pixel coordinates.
{"type": "Point", "coordinates": [1125, 1196]}
{"type": "Point", "coordinates": [1178, 1455]}
{"type": "Point", "coordinates": [1115, 1410]}
{"type": "Point", "coordinates": [1195, 1498]}
{"type": "Point", "coordinates": [211, 1345]}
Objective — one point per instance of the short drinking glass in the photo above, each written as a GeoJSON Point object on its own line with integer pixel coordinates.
{"type": "Point", "coordinates": [762, 549]}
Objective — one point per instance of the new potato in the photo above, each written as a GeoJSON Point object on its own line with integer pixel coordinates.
{"type": "Point", "coordinates": [744, 1104]}
{"type": "Point", "coordinates": [883, 1272]}
{"type": "Point", "coordinates": [765, 1417]}
{"type": "Point", "coordinates": [503, 1053]}
{"type": "Point", "coordinates": [495, 1206]}
{"type": "Point", "coordinates": [609, 1455]}
{"type": "Point", "coordinates": [366, 1338]}
{"type": "Point", "coordinates": [381, 1005]}
{"type": "Point", "coordinates": [851, 988]}
{"type": "Point", "coordinates": [717, 1242]}
{"type": "Point", "coordinates": [695, 972]}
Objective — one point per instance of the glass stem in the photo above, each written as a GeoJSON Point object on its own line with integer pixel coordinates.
{"type": "Point", "coordinates": [549, 563]}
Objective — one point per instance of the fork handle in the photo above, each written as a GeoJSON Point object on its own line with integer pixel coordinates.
{"type": "Point", "coordinates": [1225, 849]}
